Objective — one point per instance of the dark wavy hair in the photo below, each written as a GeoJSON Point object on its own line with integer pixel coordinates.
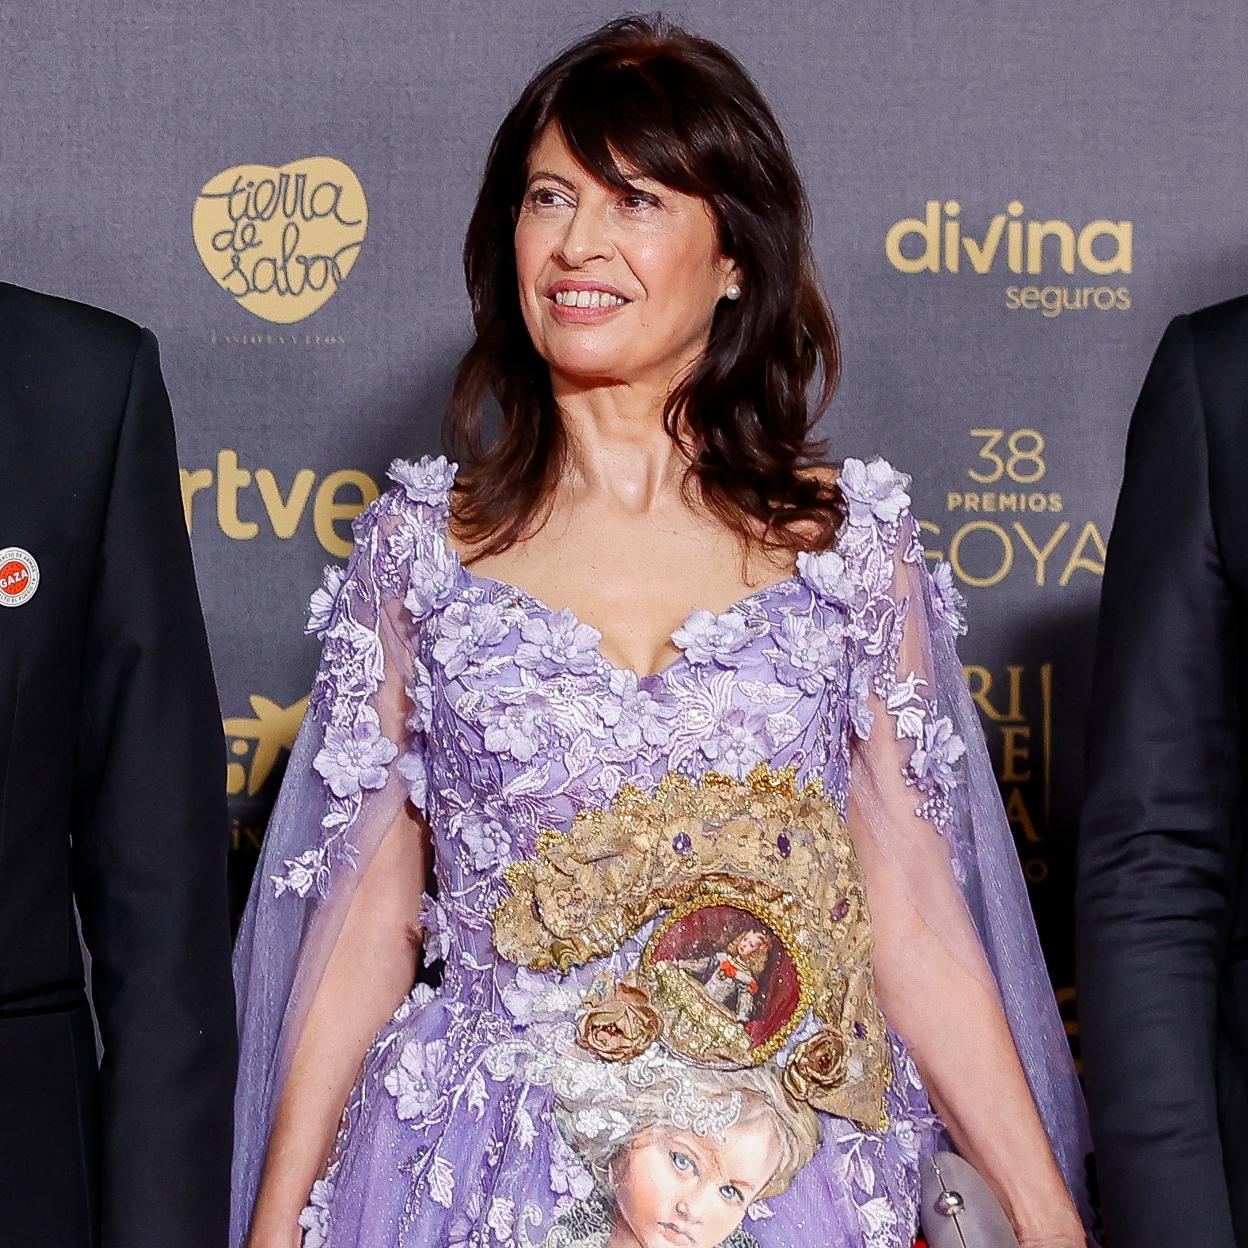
{"type": "Point", "coordinates": [683, 111]}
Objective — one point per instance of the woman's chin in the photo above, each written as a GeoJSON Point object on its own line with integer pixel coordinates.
{"type": "Point", "coordinates": [584, 370]}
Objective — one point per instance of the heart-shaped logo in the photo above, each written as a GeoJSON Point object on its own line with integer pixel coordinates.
{"type": "Point", "coordinates": [281, 240]}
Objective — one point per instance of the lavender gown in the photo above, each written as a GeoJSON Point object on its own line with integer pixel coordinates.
{"type": "Point", "coordinates": [497, 716]}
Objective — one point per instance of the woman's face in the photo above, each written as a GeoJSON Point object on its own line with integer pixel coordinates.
{"type": "Point", "coordinates": [750, 943]}
{"type": "Point", "coordinates": [647, 260]}
{"type": "Point", "coordinates": [676, 1187]}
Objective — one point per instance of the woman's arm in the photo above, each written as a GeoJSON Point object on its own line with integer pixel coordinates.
{"type": "Point", "coordinates": [372, 967]}
{"type": "Point", "coordinates": [950, 1017]}
{"type": "Point", "coordinates": [328, 945]}
{"type": "Point", "coordinates": [916, 789]}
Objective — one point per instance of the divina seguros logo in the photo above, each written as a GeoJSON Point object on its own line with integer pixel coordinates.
{"type": "Point", "coordinates": [281, 240]}
{"type": "Point", "coordinates": [941, 241]}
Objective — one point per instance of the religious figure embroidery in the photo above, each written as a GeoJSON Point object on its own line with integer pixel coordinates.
{"type": "Point", "coordinates": [698, 1076]}
{"type": "Point", "coordinates": [730, 976]}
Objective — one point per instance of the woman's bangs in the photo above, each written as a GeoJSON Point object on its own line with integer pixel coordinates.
{"type": "Point", "coordinates": [613, 119]}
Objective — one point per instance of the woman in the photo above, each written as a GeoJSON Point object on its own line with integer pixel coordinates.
{"type": "Point", "coordinates": [639, 579]}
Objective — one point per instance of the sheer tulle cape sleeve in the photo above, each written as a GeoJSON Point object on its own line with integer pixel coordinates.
{"type": "Point", "coordinates": [357, 758]}
{"type": "Point", "coordinates": [925, 807]}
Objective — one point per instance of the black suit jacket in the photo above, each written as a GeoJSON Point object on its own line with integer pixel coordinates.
{"type": "Point", "coordinates": [1163, 874]}
{"type": "Point", "coordinates": [111, 795]}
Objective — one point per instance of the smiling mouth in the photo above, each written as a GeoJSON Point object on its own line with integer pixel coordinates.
{"type": "Point", "coordinates": [581, 306]}
{"type": "Point", "coordinates": [587, 299]}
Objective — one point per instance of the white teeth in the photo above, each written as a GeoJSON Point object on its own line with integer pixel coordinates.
{"type": "Point", "coordinates": [588, 299]}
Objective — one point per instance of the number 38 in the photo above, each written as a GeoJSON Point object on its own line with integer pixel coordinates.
{"type": "Point", "coordinates": [1024, 463]}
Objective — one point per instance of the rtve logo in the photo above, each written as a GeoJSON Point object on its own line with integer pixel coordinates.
{"type": "Point", "coordinates": [944, 240]}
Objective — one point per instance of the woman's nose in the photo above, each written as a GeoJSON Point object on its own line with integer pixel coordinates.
{"type": "Point", "coordinates": [587, 237]}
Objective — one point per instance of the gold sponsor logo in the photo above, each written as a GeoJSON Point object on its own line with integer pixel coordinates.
{"type": "Point", "coordinates": [1017, 715]}
{"type": "Point", "coordinates": [940, 241]}
{"type": "Point", "coordinates": [1005, 482]}
{"type": "Point", "coordinates": [255, 742]}
{"type": "Point", "coordinates": [281, 241]}
{"type": "Point", "coordinates": [245, 502]}
{"type": "Point", "coordinates": [983, 553]}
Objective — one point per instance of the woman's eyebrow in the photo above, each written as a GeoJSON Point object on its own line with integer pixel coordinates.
{"type": "Point", "coordinates": [632, 177]}
{"type": "Point", "coordinates": [554, 177]}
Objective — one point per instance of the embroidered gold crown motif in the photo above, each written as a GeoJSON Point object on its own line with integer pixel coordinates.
{"type": "Point", "coordinates": [762, 921]}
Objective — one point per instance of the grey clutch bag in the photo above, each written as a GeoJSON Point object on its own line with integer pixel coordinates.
{"type": "Point", "coordinates": [958, 1209]}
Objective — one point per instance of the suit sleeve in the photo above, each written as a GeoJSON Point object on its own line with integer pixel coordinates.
{"type": "Point", "coordinates": [1154, 852]}
{"type": "Point", "coordinates": [150, 854]}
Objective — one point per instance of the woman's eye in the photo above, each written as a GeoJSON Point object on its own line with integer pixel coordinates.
{"type": "Point", "coordinates": [544, 197]}
{"type": "Point", "coordinates": [732, 1193]}
{"type": "Point", "coordinates": [639, 200]}
{"type": "Point", "coordinates": [682, 1161]}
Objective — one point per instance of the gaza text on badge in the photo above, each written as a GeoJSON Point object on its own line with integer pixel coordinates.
{"type": "Point", "coordinates": [19, 576]}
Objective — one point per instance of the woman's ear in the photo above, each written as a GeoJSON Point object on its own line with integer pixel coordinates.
{"type": "Point", "coordinates": [729, 274]}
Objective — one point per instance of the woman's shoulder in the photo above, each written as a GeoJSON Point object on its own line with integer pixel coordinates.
{"type": "Point", "coordinates": [426, 490]}
{"type": "Point", "coordinates": [399, 548]}
{"type": "Point", "coordinates": [419, 498]}
{"type": "Point", "coordinates": [874, 493]}
{"type": "Point", "coordinates": [877, 528]}
{"type": "Point", "coordinates": [425, 482]}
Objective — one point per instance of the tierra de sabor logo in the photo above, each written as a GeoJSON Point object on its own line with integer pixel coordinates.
{"type": "Point", "coordinates": [1013, 241]}
{"type": "Point", "coordinates": [281, 240]}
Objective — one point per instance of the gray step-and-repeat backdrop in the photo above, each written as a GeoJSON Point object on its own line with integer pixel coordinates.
{"type": "Point", "coordinates": [1010, 202]}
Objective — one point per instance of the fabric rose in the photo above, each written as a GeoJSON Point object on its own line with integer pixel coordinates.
{"type": "Point", "coordinates": [315, 1218]}
{"type": "Point", "coordinates": [355, 757]}
{"type": "Point", "coordinates": [428, 480]}
{"type": "Point", "coordinates": [518, 721]}
{"type": "Point", "coordinates": [431, 580]}
{"type": "Point", "coordinates": [709, 638]}
{"type": "Point", "coordinates": [874, 491]}
{"type": "Point", "coordinates": [808, 652]}
{"type": "Point", "coordinates": [635, 714]}
{"type": "Point", "coordinates": [620, 1027]}
{"type": "Point", "coordinates": [827, 573]}
{"type": "Point", "coordinates": [947, 601]}
{"type": "Point", "coordinates": [415, 1081]}
{"type": "Point", "coordinates": [936, 755]}
{"type": "Point", "coordinates": [558, 643]}
{"type": "Point", "coordinates": [324, 599]}
{"type": "Point", "coordinates": [464, 629]}
{"type": "Point", "coordinates": [817, 1065]}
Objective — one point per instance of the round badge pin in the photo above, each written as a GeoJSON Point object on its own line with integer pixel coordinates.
{"type": "Point", "coordinates": [19, 576]}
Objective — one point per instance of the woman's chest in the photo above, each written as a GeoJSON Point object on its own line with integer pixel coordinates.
{"type": "Point", "coordinates": [634, 579]}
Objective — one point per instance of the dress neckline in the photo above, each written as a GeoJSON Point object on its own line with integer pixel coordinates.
{"type": "Point", "coordinates": [544, 608]}
{"type": "Point", "coordinates": [679, 660]}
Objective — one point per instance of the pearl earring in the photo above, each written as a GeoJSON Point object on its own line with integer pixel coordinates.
{"type": "Point", "coordinates": [733, 291]}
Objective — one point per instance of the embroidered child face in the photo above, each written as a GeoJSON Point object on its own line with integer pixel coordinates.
{"type": "Point", "coordinates": [751, 942]}
{"type": "Point", "coordinates": [675, 1187]}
